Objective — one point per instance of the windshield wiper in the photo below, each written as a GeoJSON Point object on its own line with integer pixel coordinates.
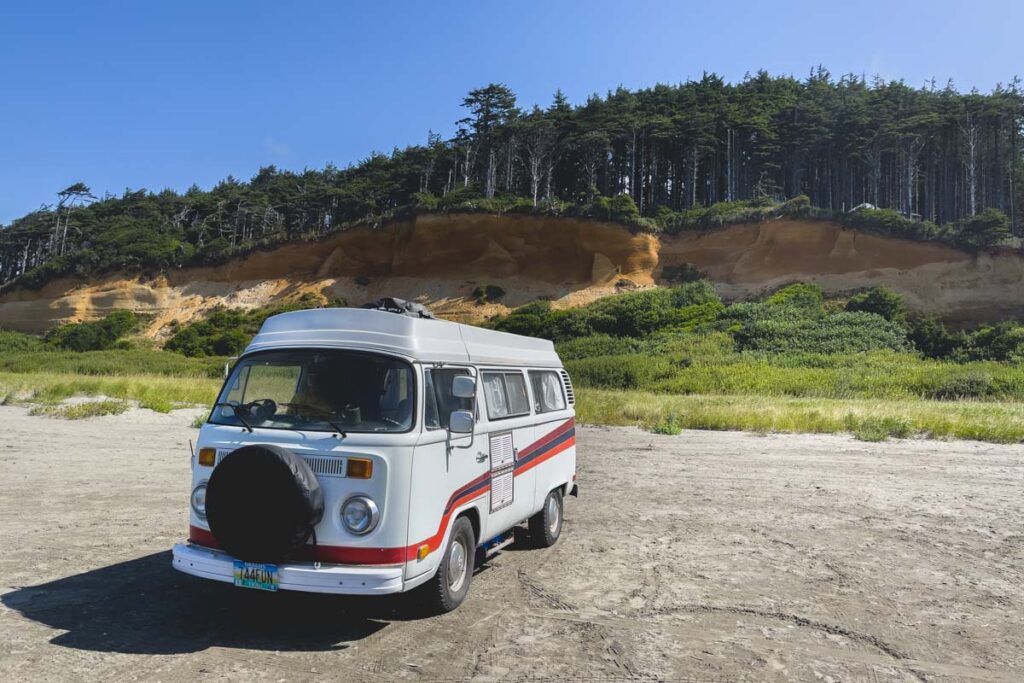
{"type": "Point", "coordinates": [322, 414]}
{"type": "Point", "coordinates": [234, 410]}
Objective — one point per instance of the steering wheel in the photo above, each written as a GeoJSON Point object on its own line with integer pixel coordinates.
{"type": "Point", "coordinates": [261, 409]}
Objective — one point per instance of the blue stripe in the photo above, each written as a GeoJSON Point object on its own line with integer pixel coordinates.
{"type": "Point", "coordinates": [473, 489]}
{"type": "Point", "coordinates": [547, 447]}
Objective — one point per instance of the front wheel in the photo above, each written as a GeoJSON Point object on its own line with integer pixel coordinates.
{"type": "Point", "coordinates": [546, 525]}
{"type": "Point", "coordinates": [449, 587]}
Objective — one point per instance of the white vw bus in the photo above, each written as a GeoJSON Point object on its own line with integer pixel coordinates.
{"type": "Point", "coordinates": [367, 452]}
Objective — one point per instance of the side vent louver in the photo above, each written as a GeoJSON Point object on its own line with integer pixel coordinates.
{"type": "Point", "coordinates": [326, 466]}
{"type": "Point", "coordinates": [569, 393]}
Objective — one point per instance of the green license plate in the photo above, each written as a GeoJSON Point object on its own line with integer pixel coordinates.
{"type": "Point", "coordinates": [262, 577]}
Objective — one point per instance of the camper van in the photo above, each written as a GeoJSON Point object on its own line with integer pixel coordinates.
{"type": "Point", "coordinates": [367, 451]}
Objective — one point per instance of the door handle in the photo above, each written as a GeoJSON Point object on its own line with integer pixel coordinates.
{"type": "Point", "coordinates": [481, 456]}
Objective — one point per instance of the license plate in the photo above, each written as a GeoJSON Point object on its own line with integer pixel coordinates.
{"type": "Point", "coordinates": [262, 577]}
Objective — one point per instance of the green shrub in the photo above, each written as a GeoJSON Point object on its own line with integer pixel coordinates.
{"type": "Point", "coordinates": [931, 338]}
{"type": "Point", "coordinates": [226, 332]}
{"type": "Point", "coordinates": [782, 329]}
{"type": "Point", "coordinates": [670, 425]}
{"type": "Point", "coordinates": [880, 301]}
{"type": "Point", "coordinates": [639, 313]}
{"type": "Point", "coordinates": [623, 207]}
{"type": "Point", "coordinates": [969, 385]}
{"type": "Point", "coordinates": [97, 335]}
{"type": "Point", "coordinates": [597, 345]}
{"type": "Point", "coordinates": [986, 229]}
{"type": "Point", "coordinates": [15, 342]}
{"type": "Point", "coordinates": [871, 428]}
{"type": "Point", "coordinates": [709, 347]}
{"type": "Point", "coordinates": [1002, 342]}
{"type": "Point", "coordinates": [802, 295]}
{"type": "Point", "coordinates": [619, 372]}
{"type": "Point", "coordinates": [630, 314]}
{"type": "Point", "coordinates": [425, 201]}
{"type": "Point", "coordinates": [718, 214]}
{"type": "Point", "coordinates": [797, 204]}
{"type": "Point", "coordinates": [889, 222]}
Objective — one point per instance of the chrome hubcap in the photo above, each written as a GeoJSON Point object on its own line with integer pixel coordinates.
{"type": "Point", "coordinates": [456, 565]}
{"type": "Point", "coordinates": [554, 515]}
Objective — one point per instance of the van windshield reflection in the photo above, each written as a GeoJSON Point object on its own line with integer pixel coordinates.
{"type": "Point", "coordinates": [318, 390]}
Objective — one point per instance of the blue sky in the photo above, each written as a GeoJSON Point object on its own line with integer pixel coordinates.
{"type": "Point", "coordinates": [164, 94]}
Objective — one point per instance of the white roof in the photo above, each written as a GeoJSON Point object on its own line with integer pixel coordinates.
{"type": "Point", "coordinates": [422, 339]}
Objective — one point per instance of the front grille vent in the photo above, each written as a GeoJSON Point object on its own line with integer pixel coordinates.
{"type": "Point", "coordinates": [325, 466]}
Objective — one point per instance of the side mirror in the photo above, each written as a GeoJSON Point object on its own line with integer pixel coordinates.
{"type": "Point", "coordinates": [463, 386]}
{"type": "Point", "coordinates": [461, 422]}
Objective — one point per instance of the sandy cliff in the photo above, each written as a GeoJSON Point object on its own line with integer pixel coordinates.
{"type": "Point", "coordinates": [440, 260]}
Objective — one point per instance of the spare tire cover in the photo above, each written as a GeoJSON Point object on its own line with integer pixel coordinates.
{"type": "Point", "coordinates": [262, 503]}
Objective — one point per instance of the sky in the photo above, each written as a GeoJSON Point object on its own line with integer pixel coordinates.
{"type": "Point", "coordinates": [131, 95]}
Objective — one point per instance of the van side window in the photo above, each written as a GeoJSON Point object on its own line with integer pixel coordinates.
{"type": "Point", "coordinates": [547, 391]}
{"type": "Point", "coordinates": [515, 387]}
{"type": "Point", "coordinates": [430, 419]}
{"type": "Point", "coordinates": [506, 394]}
{"type": "Point", "coordinates": [438, 400]}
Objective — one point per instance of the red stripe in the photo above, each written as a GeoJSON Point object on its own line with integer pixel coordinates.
{"type": "Point", "coordinates": [336, 554]}
{"type": "Point", "coordinates": [547, 456]}
{"type": "Point", "coordinates": [550, 436]}
{"type": "Point", "coordinates": [201, 537]}
{"type": "Point", "coordinates": [434, 542]}
{"type": "Point", "coordinates": [333, 554]}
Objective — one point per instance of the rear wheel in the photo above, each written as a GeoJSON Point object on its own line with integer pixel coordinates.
{"type": "Point", "coordinates": [449, 587]}
{"type": "Point", "coordinates": [546, 525]}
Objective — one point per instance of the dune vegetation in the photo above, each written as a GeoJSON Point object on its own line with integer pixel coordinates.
{"type": "Point", "coordinates": [663, 359]}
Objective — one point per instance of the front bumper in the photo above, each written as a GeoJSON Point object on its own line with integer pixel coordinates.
{"type": "Point", "coordinates": [344, 579]}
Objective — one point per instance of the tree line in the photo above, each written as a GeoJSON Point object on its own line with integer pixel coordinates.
{"type": "Point", "coordinates": [931, 154]}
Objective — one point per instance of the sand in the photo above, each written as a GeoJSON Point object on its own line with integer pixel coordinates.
{"type": "Point", "coordinates": [704, 556]}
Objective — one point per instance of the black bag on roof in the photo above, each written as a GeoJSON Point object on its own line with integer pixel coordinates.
{"type": "Point", "coordinates": [400, 306]}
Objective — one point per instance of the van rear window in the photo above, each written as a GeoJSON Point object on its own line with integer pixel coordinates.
{"type": "Point", "coordinates": [547, 391]}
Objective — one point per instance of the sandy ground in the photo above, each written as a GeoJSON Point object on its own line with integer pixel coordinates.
{"type": "Point", "coordinates": [707, 556]}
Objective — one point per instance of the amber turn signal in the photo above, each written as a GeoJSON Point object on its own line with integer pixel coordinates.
{"type": "Point", "coordinates": [207, 456]}
{"type": "Point", "coordinates": [359, 468]}
{"type": "Point", "coordinates": [422, 552]}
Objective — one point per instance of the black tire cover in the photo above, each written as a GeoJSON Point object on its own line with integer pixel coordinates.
{"type": "Point", "coordinates": [262, 503]}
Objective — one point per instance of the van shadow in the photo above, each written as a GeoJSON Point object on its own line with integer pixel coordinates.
{"type": "Point", "coordinates": [143, 606]}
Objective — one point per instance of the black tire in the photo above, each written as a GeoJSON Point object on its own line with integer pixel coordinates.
{"type": "Point", "coordinates": [445, 592]}
{"type": "Point", "coordinates": [546, 525]}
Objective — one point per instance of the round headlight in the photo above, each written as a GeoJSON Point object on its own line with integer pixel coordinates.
{"type": "Point", "coordinates": [359, 514]}
{"type": "Point", "coordinates": [198, 500]}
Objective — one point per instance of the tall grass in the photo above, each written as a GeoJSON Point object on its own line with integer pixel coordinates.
{"type": "Point", "coordinates": [112, 362]}
{"type": "Point", "coordinates": [80, 411]}
{"type": "Point", "coordinates": [879, 374]}
{"type": "Point", "coordinates": [150, 391]}
{"type": "Point", "coordinates": [870, 419]}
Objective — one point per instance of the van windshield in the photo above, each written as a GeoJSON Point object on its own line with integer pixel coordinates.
{"type": "Point", "coordinates": [318, 390]}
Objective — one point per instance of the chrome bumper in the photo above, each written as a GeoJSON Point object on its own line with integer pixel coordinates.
{"type": "Point", "coordinates": [332, 578]}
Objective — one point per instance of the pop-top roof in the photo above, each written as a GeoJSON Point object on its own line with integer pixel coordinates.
{"type": "Point", "coordinates": [432, 341]}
